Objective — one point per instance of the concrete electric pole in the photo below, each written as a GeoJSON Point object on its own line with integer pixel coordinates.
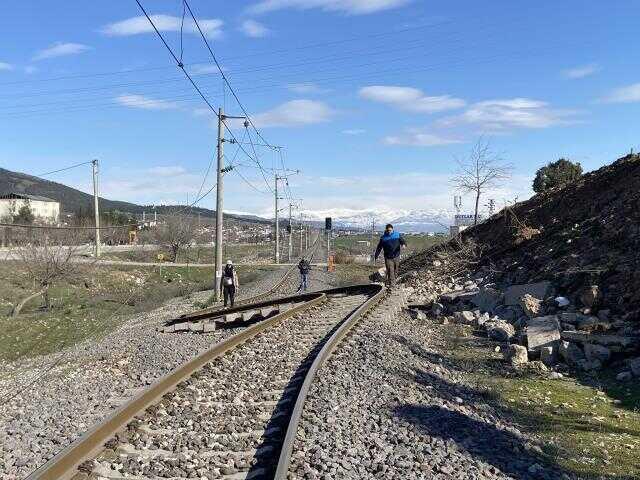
{"type": "Point", "coordinates": [219, 192]}
{"type": "Point", "coordinates": [277, 252]}
{"type": "Point", "coordinates": [94, 164]}
{"type": "Point", "coordinates": [301, 235]}
{"type": "Point", "coordinates": [290, 234]}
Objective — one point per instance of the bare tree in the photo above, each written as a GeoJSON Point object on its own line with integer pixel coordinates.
{"type": "Point", "coordinates": [176, 233]}
{"type": "Point", "coordinates": [46, 259]}
{"type": "Point", "coordinates": [481, 170]}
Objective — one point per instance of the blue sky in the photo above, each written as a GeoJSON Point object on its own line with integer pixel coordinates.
{"type": "Point", "coordinates": [372, 99]}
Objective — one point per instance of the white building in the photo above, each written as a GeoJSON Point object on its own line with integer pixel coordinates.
{"type": "Point", "coordinates": [44, 209]}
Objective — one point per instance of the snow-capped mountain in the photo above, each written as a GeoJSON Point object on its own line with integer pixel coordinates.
{"type": "Point", "coordinates": [402, 220]}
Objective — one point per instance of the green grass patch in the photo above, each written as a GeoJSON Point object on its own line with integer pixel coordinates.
{"type": "Point", "coordinates": [87, 307]}
{"type": "Point", "coordinates": [352, 244]}
{"type": "Point", "coordinates": [238, 253]}
{"type": "Point", "coordinates": [589, 425]}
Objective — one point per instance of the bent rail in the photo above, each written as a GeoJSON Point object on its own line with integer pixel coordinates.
{"type": "Point", "coordinates": [287, 447]}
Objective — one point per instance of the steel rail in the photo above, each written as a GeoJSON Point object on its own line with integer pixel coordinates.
{"type": "Point", "coordinates": [284, 460]}
{"type": "Point", "coordinates": [280, 282]}
{"type": "Point", "coordinates": [64, 465]}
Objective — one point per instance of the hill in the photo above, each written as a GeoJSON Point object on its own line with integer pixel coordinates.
{"type": "Point", "coordinates": [73, 200]}
{"type": "Point", "coordinates": [586, 233]}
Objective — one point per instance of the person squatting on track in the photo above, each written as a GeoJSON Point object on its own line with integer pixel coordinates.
{"type": "Point", "coordinates": [229, 283]}
{"type": "Point", "coordinates": [391, 243]}
{"type": "Point", "coordinates": [305, 267]}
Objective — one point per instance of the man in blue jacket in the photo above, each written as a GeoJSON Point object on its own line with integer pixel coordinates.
{"type": "Point", "coordinates": [391, 242]}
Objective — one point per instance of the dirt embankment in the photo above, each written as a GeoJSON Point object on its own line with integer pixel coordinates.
{"type": "Point", "coordinates": [587, 233]}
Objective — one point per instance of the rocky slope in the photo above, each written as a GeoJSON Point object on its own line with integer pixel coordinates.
{"type": "Point", "coordinates": [557, 274]}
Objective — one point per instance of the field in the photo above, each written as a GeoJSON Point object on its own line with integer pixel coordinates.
{"type": "Point", "coordinates": [239, 253]}
{"type": "Point", "coordinates": [347, 247]}
{"type": "Point", "coordinates": [92, 305]}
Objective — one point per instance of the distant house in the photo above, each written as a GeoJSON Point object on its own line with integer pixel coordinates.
{"type": "Point", "coordinates": [43, 208]}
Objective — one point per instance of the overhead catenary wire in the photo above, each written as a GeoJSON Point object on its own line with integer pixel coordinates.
{"type": "Point", "coordinates": [186, 73]}
{"type": "Point", "coordinates": [63, 169]}
{"type": "Point", "coordinates": [224, 77]}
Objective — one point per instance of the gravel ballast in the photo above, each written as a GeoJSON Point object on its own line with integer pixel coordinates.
{"type": "Point", "coordinates": [51, 400]}
{"type": "Point", "coordinates": [389, 405]}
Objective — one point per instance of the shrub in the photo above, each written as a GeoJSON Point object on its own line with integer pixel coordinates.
{"type": "Point", "coordinates": [556, 174]}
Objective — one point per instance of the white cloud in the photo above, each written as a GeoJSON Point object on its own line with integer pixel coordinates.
{"type": "Point", "coordinates": [506, 114]}
{"type": "Point", "coordinates": [581, 71]}
{"type": "Point", "coordinates": [60, 49]}
{"type": "Point", "coordinates": [146, 103]}
{"type": "Point", "coordinates": [212, 28]}
{"type": "Point", "coordinates": [254, 29]}
{"type": "Point", "coordinates": [354, 7]}
{"type": "Point", "coordinates": [295, 113]}
{"type": "Point", "coordinates": [410, 99]}
{"type": "Point", "coordinates": [354, 131]}
{"type": "Point", "coordinates": [5, 66]}
{"type": "Point", "coordinates": [415, 137]}
{"type": "Point", "coordinates": [307, 88]}
{"type": "Point", "coordinates": [627, 94]}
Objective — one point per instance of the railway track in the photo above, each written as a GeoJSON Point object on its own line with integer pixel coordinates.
{"type": "Point", "coordinates": [282, 284]}
{"type": "Point", "coordinates": [231, 412]}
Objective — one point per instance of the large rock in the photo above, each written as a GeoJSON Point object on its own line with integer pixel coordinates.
{"type": "Point", "coordinates": [597, 352]}
{"type": "Point", "coordinates": [531, 306]}
{"type": "Point", "coordinates": [590, 323]}
{"type": "Point", "coordinates": [500, 330]}
{"type": "Point", "coordinates": [634, 364]}
{"type": "Point", "coordinates": [549, 355]}
{"type": "Point", "coordinates": [514, 293]}
{"type": "Point", "coordinates": [616, 343]}
{"type": "Point", "coordinates": [542, 332]}
{"type": "Point", "coordinates": [516, 354]}
{"type": "Point", "coordinates": [466, 317]}
{"type": "Point", "coordinates": [571, 352]}
{"type": "Point", "coordinates": [486, 299]}
{"type": "Point", "coordinates": [458, 296]}
{"type": "Point", "coordinates": [591, 296]}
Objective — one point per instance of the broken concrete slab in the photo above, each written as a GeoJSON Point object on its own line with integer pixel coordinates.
{"type": "Point", "coordinates": [549, 355]}
{"type": "Point", "coordinates": [634, 364]}
{"type": "Point", "coordinates": [597, 352]}
{"type": "Point", "coordinates": [571, 352]}
{"type": "Point", "coordinates": [486, 299]}
{"type": "Point", "coordinates": [617, 343]}
{"type": "Point", "coordinates": [542, 332]}
{"type": "Point", "coordinates": [458, 296]}
{"type": "Point", "coordinates": [513, 294]}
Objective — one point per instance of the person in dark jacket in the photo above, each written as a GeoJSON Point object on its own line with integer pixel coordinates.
{"type": "Point", "coordinates": [391, 243]}
{"type": "Point", "coordinates": [304, 267]}
{"type": "Point", "coordinates": [229, 283]}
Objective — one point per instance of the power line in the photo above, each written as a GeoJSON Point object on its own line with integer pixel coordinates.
{"type": "Point", "coordinates": [181, 66]}
{"type": "Point", "coordinates": [237, 57]}
{"type": "Point", "coordinates": [224, 77]}
{"type": "Point", "coordinates": [62, 169]}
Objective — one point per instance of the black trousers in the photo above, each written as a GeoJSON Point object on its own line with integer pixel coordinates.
{"type": "Point", "coordinates": [229, 294]}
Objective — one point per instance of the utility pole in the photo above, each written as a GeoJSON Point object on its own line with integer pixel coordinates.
{"type": "Point", "coordinates": [219, 192]}
{"type": "Point", "coordinates": [94, 164]}
{"type": "Point", "coordinates": [277, 252]}
{"type": "Point", "coordinates": [301, 234]}
{"type": "Point", "coordinates": [290, 234]}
